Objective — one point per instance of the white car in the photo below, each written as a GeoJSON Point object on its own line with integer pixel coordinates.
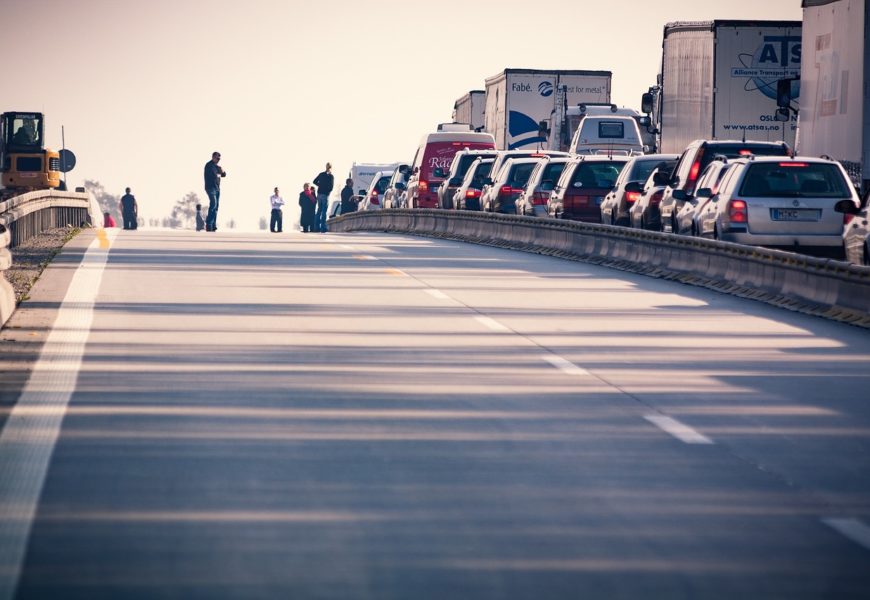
{"type": "Point", "coordinates": [375, 194]}
{"type": "Point", "coordinates": [781, 202]}
{"type": "Point", "coordinates": [533, 200]}
{"type": "Point", "coordinates": [503, 190]}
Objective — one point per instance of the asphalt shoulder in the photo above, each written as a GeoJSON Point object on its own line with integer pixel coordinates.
{"type": "Point", "coordinates": [24, 334]}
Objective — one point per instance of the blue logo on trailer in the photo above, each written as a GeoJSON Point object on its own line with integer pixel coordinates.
{"type": "Point", "coordinates": [778, 57]}
{"type": "Point", "coordinates": [546, 88]}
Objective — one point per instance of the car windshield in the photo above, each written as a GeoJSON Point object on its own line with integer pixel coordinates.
{"type": "Point", "coordinates": [519, 175]}
{"type": "Point", "coordinates": [552, 171]}
{"type": "Point", "coordinates": [793, 179]}
{"type": "Point", "coordinates": [596, 174]}
{"type": "Point", "coordinates": [381, 185]}
{"type": "Point", "coordinates": [642, 169]}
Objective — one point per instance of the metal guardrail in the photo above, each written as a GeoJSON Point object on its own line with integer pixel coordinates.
{"type": "Point", "coordinates": [27, 215]}
{"type": "Point", "coordinates": [30, 214]}
{"type": "Point", "coordinates": [828, 288]}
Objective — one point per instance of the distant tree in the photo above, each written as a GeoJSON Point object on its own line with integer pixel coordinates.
{"type": "Point", "coordinates": [184, 211]}
{"type": "Point", "coordinates": [263, 223]}
{"type": "Point", "coordinates": [109, 203]}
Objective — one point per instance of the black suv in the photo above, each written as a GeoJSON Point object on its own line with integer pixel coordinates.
{"type": "Point", "coordinates": [454, 177]}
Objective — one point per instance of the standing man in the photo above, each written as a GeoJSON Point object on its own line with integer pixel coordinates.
{"type": "Point", "coordinates": [129, 210]}
{"type": "Point", "coordinates": [275, 223]}
{"type": "Point", "coordinates": [324, 183]}
{"type": "Point", "coordinates": [347, 203]}
{"type": "Point", "coordinates": [213, 173]}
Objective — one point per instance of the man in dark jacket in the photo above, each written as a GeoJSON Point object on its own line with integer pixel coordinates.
{"type": "Point", "coordinates": [129, 210]}
{"type": "Point", "coordinates": [213, 173]}
{"type": "Point", "coordinates": [324, 182]}
{"type": "Point", "coordinates": [347, 203]}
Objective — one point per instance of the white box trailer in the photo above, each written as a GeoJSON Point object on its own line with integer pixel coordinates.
{"type": "Point", "coordinates": [719, 78]}
{"type": "Point", "coordinates": [835, 108]}
{"type": "Point", "coordinates": [363, 173]}
{"type": "Point", "coordinates": [469, 109]}
{"type": "Point", "coordinates": [517, 100]}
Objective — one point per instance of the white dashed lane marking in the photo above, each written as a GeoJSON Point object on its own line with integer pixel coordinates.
{"type": "Point", "coordinates": [853, 529]}
{"type": "Point", "coordinates": [681, 431]}
{"type": "Point", "coordinates": [565, 366]}
{"type": "Point", "coordinates": [491, 324]}
{"type": "Point", "coordinates": [438, 294]}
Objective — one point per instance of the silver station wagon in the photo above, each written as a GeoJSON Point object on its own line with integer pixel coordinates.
{"type": "Point", "coordinates": [779, 202]}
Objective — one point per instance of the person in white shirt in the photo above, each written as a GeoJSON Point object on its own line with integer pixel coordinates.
{"type": "Point", "coordinates": [275, 223]}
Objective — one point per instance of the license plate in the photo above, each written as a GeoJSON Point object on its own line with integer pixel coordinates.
{"type": "Point", "coordinates": [795, 214]}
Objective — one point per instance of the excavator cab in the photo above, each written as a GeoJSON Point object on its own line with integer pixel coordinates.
{"type": "Point", "coordinates": [25, 163]}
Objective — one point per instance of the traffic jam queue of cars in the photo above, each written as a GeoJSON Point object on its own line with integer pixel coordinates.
{"type": "Point", "coordinates": [746, 192]}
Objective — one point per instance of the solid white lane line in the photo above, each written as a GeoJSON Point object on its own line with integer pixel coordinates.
{"type": "Point", "coordinates": [491, 323]}
{"type": "Point", "coordinates": [345, 246]}
{"type": "Point", "coordinates": [681, 431]}
{"type": "Point", "coordinates": [437, 294]}
{"type": "Point", "coordinates": [364, 257]}
{"type": "Point", "coordinates": [564, 365]}
{"type": "Point", "coordinates": [853, 529]}
{"type": "Point", "coordinates": [27, 440]}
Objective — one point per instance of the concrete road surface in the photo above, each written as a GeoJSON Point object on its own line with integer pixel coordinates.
{"type": "Point", "coordinates": [377, 416]}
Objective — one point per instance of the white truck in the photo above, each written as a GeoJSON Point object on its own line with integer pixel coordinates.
{"type": "Point", "coordinates": [469, 109]}
{"type": "Point", "coordinates": [718, 81]}
{"type": "Point", "coordinates": [363, 174]}
{"type": "Point", "coordinates": [519, 100]}
{"type": "Point", "coordinates": [834, 118]}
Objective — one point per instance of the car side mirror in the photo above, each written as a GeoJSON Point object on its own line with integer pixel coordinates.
{"type": "Point", "coordinates": [455, 181]}
{"type": "Point", "coordinates": [632, 186]}
{"type": "Point", "coordinates": [847, 207]}
{"type": "Point", "coordinates": [487, 181]}
{"type": "Point", "coordinates": [439, 172]}
{"type": "Point", "coordinates": [704, 193]}
{"type": "Point", "coordinates": [361, 193]}
{"type": "Point", "coordinates": [661, 179]}
{"type": "Point", "coordinates": [400, 186]}
{"type": "Point", "coordinates": [679, 195]}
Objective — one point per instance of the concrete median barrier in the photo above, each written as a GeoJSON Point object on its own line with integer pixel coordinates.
{"type": "Point", "coordinates": [823, 287]}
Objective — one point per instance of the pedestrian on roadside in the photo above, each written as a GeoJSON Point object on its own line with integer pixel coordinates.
{"type": "Point", "coordinates": [324, 182]}
{"type": "Point", "coordinates": [347, 203]}
{"type": "Point", "coordinates": [108, 221]}
{"type": "Point", "coordinates": [306, 204]}
{"type": "Point", "coordinates": [213, 173]}
{"type": "Point", "coordinates": [129, 210]}
{"type": "Point", "coordinates": [200, 222]}
{"type": "Point", "coordinates": [277, 220]}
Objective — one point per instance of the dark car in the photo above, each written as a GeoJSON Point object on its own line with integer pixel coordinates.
{"type": "Point", "coordinates": [695, 159]}
{"type": "Point", "coordinates": [644, 213]}
{"type": "Point", "coordinates": [581, 189]}
{"type": "Point", "coordinates": [508, 184]}
{"type": "Point", "coordinates": [628, 188]}
{"type": "Point", "coordinates": [467, 197]}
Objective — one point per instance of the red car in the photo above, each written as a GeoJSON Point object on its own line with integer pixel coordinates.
{"type": "Point", "coordinates": [584, 183]}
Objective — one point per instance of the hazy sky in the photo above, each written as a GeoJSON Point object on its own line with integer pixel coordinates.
{"type": "Point", "coordinates": [146, 90]}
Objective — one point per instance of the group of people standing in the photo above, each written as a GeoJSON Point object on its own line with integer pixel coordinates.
{"type": "Point", "coordinates": [129, 212]}
{"type": "Point", "coordinates": [314, 201]}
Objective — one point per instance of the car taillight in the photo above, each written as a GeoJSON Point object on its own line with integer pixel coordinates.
{"type": "Point", "coordinates": [737, 211]}
{"type": "Point", "coordinates": [800, 165]}
{"type": "Point", "coordinates": [540, 198]}
{"type": "Point", "coordinates": [631, 197]}
{"type": "Point", "coordinates": [423, 185]}
{"type": "Point", "coordinates": [375, 198]}
{"type": "Point", "coordinates": [472, 194]}
{"type": "Point", "coordinates": [656, 198]}
{"type": "Point", "coordinates": [694, 172]}
{"type": "Point", "coordinates": [507, 190]}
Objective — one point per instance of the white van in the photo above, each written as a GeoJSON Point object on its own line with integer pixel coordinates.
{"type": "Point", "coordinates": [608, 134]}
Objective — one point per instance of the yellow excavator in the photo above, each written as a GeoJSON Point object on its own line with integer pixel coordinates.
{"type": "Point", "coordinates": [25, 163]}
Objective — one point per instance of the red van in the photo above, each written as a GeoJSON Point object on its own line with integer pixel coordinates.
{"type": "Point", "coordinates": [433, 159]}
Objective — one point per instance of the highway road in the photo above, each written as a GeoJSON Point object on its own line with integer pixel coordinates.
{"type": "Point", "coordinates": [382, 416]}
